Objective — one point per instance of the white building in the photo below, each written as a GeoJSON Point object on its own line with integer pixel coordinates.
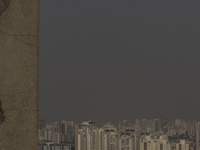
{"type": "Point", "coordinates": [198, 133]}
{"type": "Point", "coordinates": [182, 145]}
{"type": "Point", "coordinates": [127, 140]}
{"type": "Point", "coordinates": [154, 143]}
{"type": "Point", "coordinates": [88, 136]}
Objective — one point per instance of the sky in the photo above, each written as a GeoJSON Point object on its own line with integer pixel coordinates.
{"type": "Point", "coordinates": [110, 60]}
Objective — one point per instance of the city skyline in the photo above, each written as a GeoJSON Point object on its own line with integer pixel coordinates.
{"type": "Point", "coordinates": [101, 123]}
{"type": "Point", "coordinates": [143, 134]}
{"type": "Point", "coordinates": [119, 75]}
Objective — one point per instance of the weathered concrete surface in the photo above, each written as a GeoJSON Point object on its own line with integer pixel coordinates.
{"type": "Point", "coordinates": [19, 75]}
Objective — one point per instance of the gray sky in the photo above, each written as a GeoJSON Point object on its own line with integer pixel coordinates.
{"type": "Point", "coordinates": [108, 60]}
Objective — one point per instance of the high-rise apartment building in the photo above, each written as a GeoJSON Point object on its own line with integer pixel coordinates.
{"type": "Point", "coordinates": [42, 124]}
{"type": "Point", "coordinates": [107, 139]}
{"type": "Point", "coordinates": [198, 135]}
{"type": "Point", "coordinates": [76, 129]}
{"type": "Point", "coordinates": [161, 122]}
{"type": "Point", "coordinates": [154, 143]}
{"type": "Point", "coordinates": [143, 125]}
{"type": "Point", "coordinates": [125, 124]}
{"type": "Point", "coordinates": [88, 136]}
{"type": "Point", "coordinates": [182, 145]}
{"type": "Point", "coordinates": [127, 140]}
{"type": "Point", "coordinates": [156, 125]}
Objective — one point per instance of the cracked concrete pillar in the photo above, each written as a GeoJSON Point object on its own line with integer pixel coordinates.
{"type": "Point", "coordinates": [19, 74]}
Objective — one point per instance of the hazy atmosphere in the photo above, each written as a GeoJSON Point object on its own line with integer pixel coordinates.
{"type": "Point", "coordinates": [110, 60]}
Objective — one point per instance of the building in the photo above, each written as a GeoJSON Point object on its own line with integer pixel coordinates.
{"type": "Point", "coordinates": [198, 136]}
{"type": "Point", "coordinates": [154, 143]}
{"type": "Point", "coordinates": [182, 145]}
{"type": "Point", "coordinates": [42, 124]}
{"type": "Point", "coordinates": [54, 147]}
{"type": "Point", "coordinates": [88, 136]}
{"type": "Point", "coordinates": [127, 140]}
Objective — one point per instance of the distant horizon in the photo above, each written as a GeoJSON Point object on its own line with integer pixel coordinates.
{"type": "Point", "coordinates": [113, 123]}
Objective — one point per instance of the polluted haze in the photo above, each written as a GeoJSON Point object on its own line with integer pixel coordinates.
{"type": "Point", "coordinates": [110, 60]}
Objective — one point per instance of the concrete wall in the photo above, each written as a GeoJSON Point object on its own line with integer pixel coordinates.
{"type": "Point", "coordinates": [19, 74]}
